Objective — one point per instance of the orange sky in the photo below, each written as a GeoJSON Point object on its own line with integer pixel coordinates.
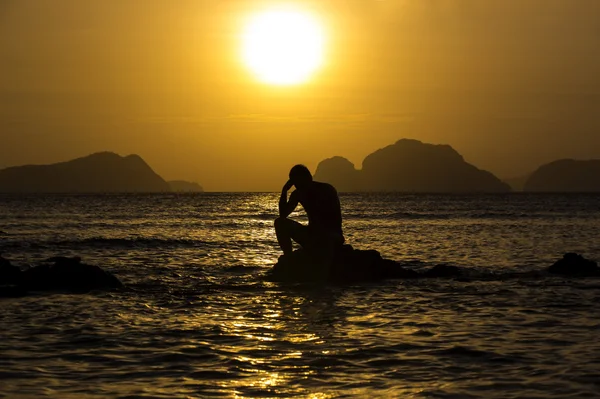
{"type": "Point", "coordinates": [510, 84]}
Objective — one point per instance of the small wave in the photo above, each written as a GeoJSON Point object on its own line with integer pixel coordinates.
{"type": "Point", "coordinates": [417, 215]}
{"type": "Point", "coordinates": [459, 215]}
{"type": "Point", "coordinates": [138, 242]}
{"type": "Point", "coordinates": [262, 216]}
{"type": "Point", "coordinates": [470, 353]}
{"type": "Point", "coordinates": [242, 269]}
{"type": "Point", "coordinates": [490, 215]}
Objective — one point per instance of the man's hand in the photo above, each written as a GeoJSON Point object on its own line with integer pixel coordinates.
{"type": "Point", "coordinates": [287, 186]}
{"type": "Point", "coordinates": [285, 207]}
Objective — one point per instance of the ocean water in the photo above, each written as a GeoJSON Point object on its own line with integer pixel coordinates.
{"type": "Point", "coordinates": [198, 319]}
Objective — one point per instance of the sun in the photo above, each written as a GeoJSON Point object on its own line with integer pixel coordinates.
{"type": "Point", "coordinates": [283, 46]}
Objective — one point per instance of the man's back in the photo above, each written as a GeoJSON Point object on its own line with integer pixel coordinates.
{"type": "Point", "coordinates": [322, 205]}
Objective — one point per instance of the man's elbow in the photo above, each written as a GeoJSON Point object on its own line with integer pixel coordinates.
{"type": "Point", "coordinates": [284, 213]}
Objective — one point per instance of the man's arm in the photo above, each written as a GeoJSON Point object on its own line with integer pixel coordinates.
{"type": "Point", "coordinates": [338, 208]}
{"type": "Point", "coordinates": [286, 207]}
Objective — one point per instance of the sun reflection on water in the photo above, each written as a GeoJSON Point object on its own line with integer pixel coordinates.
{"type": "Point", "coordinates": [270, 343]}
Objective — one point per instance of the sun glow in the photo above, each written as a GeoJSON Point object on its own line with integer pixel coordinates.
{"type": "Point", "coordinates": [283, 46]}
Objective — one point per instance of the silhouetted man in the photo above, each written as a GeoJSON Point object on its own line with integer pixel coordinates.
{"type": "Point", "coordinates": [322, 206]}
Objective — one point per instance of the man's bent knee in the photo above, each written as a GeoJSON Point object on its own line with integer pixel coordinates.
{"type": "Point", "coordinates": [280, 222]}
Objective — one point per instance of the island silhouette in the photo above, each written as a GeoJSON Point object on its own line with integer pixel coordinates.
{"type": "Point", "coordinates": [182, 186]}
{"type": "Point", "coordinates": [102, 172]}
{"type": "Point", "coordinates": [517, 183]}
{"type": "Point", "coordinates": [410, 166]}
{"type": "Point", "coordinates": [566, 175]}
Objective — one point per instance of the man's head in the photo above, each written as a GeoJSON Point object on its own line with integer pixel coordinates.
{"type": "Point", "coordinates": [300, 176]}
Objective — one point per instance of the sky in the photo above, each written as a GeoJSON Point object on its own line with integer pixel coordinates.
{"type": "Point", "coordinates": [510, 84]}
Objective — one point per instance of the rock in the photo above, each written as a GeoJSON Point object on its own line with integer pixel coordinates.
{"type": "Point", "coordinates": [4, 262]}
{"type": "Point", "coordinates": [394, 270]}
{"type": "Point", "coordinates": [57, 274]}
{"type": "Point", "coordinates": [573, 264]}
{"type": "Point", "coordinates": [348, 265]}
{"type": "Point", "coordinates": [299, 267]}
{"type": "Point", "coordinates": [9, 274]}
{"type": "Point", "coordinates": [12, 291]}
{"type": "Point", "coordinates": [75, 260]}
{"type": "Point", "coordinates": [69, 274]}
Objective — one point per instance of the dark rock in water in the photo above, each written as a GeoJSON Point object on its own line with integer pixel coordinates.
{"type": "Point", "coordinates": [443, 271]}
{"type": "Point", "coordinates": [9, 274]}
{"type": "Point", "coordinates": [393, 270]}
{"type": "Point", "coordinates": [60, 274]}
{"type": "Point", "coordinates": [299, 267]}
{"type": "Point", "coordinates": [347, 266]}
{"type": "Point", "coordinates": [69, 274]}
{"type": "Point", "coordinates": [75, 260]}
{"type": "Point", "coordinates": [12, 291]}
{"type": "Point", "coordinates": [4, 261]}
{"type": "Point", "coordinates": [575, 265]}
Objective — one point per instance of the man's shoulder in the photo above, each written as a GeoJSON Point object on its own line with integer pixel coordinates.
{"type": "Point", "coordinates": [325, 186]}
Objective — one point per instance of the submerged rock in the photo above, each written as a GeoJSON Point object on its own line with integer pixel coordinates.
{"type": "Point", "coordinates": [55, 274]}
{"type": "Point", "coordinates": [573, 264]}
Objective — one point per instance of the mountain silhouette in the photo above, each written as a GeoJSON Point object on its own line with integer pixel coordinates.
{"type": "Point", "coordinates": [517, 183]}
{"type": "Point", "coordinates": [339, 172]}
{"type": "Point", "coordinates": [410, 166]}
{"type": "Point", "coordinates": [566, 175]}
{"type": "Point", "coordinates": [182, 186]}
{"type": "Point", "coordinates": [103, 172]}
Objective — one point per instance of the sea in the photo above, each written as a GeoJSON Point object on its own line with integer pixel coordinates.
{"type": "Point", "coordinates": [199, 319]}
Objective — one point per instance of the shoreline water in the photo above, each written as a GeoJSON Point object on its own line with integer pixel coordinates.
{"type": "Point", "coordinates": [198, 320]}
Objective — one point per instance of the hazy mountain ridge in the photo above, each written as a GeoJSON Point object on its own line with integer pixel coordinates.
{"type": "Point", "coordinates": [517, 183]}
{"type": "Point", "coordinates": [182, 186]}
{"type": "Point", "coordinates": [410, 166]}
{"type": "Point", "coordinates": [566, 175]}
{"type": "Point", "coordinates": [341, 173]}
{"type": "Point", "coordinates": [102, 172]}
{"type": "Point", "coordinates": [406, 166]}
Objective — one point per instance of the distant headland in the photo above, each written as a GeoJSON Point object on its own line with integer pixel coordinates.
{"type": "Point", "coordinates": [102, 172]}
{"type": "Point", "coordinates": [410, 166]}
{"type": "Point", "coordinates": [181, 186]}
{"type": "Point", "coordinates": [566, 175]}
